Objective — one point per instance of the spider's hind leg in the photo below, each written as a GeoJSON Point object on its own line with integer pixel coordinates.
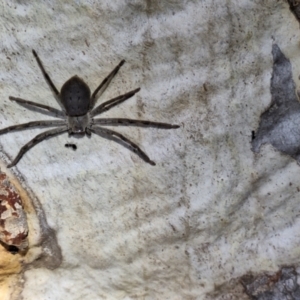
{"type": "Point", "coordinates": [107, 105]}
{"type": "Point", "coordinates": [105, 83]}
{"type": "Point", "coordinates": [47, 77]}
{"type": "Point", "coordinates": [41, 108]}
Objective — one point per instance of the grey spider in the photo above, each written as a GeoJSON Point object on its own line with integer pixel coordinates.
{"type": "Point", "coordinates": [78, 114]}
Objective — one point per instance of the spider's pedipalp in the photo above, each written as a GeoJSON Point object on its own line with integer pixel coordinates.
{"type": "Point", "coordinates": [36, 140]}
{"type": "Point", "coordinates": [41, 108]}
{"type": "Point", "coordinates": [122, 140]}
{"type": "Point", "coordinates": [44, 123]}
{"type": "Point", "coordinates": [132, 122]}
{"type": "Point", "coordinates": [105, 83]}
{"type": "Point", "coordinates": [112, 102]}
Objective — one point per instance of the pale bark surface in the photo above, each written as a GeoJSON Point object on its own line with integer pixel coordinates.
{"type": "Point", "coordinates": [211, 210]}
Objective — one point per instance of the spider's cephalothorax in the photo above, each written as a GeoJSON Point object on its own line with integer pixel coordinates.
{"type": "Point", "coordinates": [78, 112]}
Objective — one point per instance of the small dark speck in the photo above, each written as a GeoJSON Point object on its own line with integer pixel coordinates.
{"type": "Point", "coordinates": [253, 134]}
{"type": "Point", "coordinates": [73, 146]}
{"type": "Point", "coordinates": [13, 249]}
{"type": "Point", "coordinates": [173, 227]}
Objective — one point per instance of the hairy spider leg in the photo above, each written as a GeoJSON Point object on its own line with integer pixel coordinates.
{"type": "Point", "coordinates": [48, 80]}
{"type": "Point", "coordinates": [44, 123]}
{"type": "Point", "coordinates": [105, 83]}
{"type": "Point", "coordinates": [132, 122]}
{"type": "Point", "coordinates": [122, 140]}
{"type": "Point", "coordinates": [47, 77]}
{"type": "Point", "coordinates": [112, 102]}
{"type": "Point", "coordinates": [41, 108]}
{"type": "Point", "coordinates": [36, 140]}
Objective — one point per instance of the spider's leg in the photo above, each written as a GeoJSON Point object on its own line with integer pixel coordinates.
{"type": "Point", "coordinates": [36, 140]}
{"type": "Point", "coordinates": [112, 102]}
{"type": "Point", "coordinates": [44, 123]}
{"type": "Point", "coordinates": [130, 122]}
{"type": "Point", "coordinates": [41, 108]}
{"type": "Point", "coordinates": [47, 77]}
{"type": "Point", "coordinates": [122, 140]}
{"type": "Point", "coordinates": [105, 83]}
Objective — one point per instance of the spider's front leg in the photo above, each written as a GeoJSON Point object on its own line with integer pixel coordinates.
{"type": "Point", "coordinates": [122, 140]}
{"type": "Point", "coordinates": [36, 140]}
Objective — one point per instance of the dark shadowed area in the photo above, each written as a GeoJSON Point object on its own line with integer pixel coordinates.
{"type": "Point", "coordinates": [280, 123]}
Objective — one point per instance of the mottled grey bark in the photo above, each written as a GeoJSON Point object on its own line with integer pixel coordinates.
{"type": "Point", "coordinates": [280, 123]}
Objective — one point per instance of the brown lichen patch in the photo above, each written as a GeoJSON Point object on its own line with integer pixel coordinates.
{"type": "Point", "coordinates": [13, 221]}
{"type": "Point", "coordinates": [295, 8]}
{"type": "Point", "coordinates": [10, 268]}
{"type": "Point", "coordinates": [19, 233]}
{"type": "Point", "coordinates": [280, 285]}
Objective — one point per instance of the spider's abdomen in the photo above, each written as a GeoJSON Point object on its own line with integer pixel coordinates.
{"type": "Point", "coordinates": [75, 97]}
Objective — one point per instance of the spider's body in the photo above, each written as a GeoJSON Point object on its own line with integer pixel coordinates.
{"type": "Point", "coordinates": [75, 96]}
{"type": "Point", "coordinates": [79, 125]}
{"type": "Point", "coordinates": [78, 114]}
